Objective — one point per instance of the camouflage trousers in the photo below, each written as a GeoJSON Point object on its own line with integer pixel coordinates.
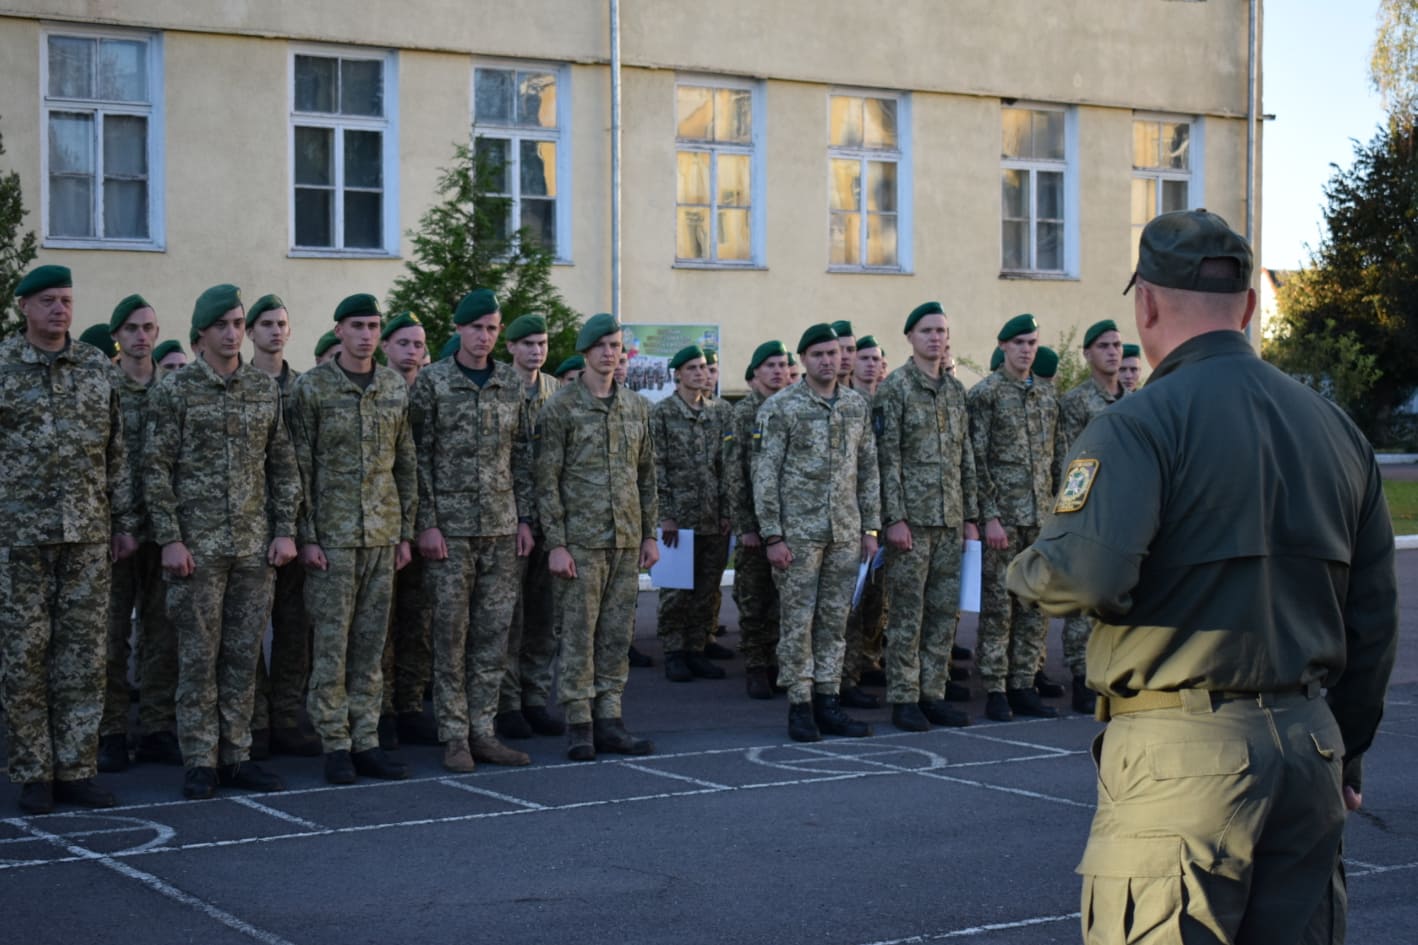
{"type": "Point", "coordinates": [474, 592]}
{"type": "Point", "coordinates": [138, 584]}
{"type": "Point", "coordinates": [350, 603]}
{"type": "Point", "coordinates": [53, 601]}
{"type": "Point", "coordinates": [756, 596]}
{"type": "Point", "coordinates": [687, 617]}
{"type": "Point", "coordinates": [408, 647]}
{"type": "Point", "coordinates": [220, 612]}
{"type": "Point", "coordinates": [532, 638]}
{"type": "Point", "coordinates": [865, 626]}
{"type": "Point", "coordinates": [721, 563]}
{"type": "Point", "coordinates": [815, 592]}
{"type": "Point", "coordinates": [280, 691]}
{"type": "Point", "coordinates": [924, 584]}
{"type": "Point", "coordinates": [597, 614]}
{"type": "Point", "coordinates": [1075, 643]}
{"type": "Point", "coordinates": [1012, 634]}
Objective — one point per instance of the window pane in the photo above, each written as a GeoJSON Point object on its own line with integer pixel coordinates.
{"type": "Point", "coordinates": [498, 211]}
{"type": "Point", "coordinates": [1144, 143]}
{"type": "Point", "coordinates": [1144, 199]}
{"type": "Point", "coordinates": [694, 112]}
{"type": "Point", "coordinates": [314, 216]}
{"type": "Point", "coordinates": [734, 241]}
{"type": "Point", "coordinates": [71, 204]}
{"type": "Point", "coordinates": [125, 209]}
{"type": "Point", "coordinates": [492, 96]}
{"type": "Point", "coordinates": [1174, 195]}
{"type": "Point", "coordinates": [71, 67]}
{"type": "Point", "coordinates": [125, 146]}
{"type": "Point", "coordinates": [845, 122]}
{"type": "Point", "coordinates": [1176, 141]}
{"type": "Point", "coordinates": [881, 239]}
{"type": "Point", "coordinates": [1016, 244]}
{"type": "Point", "coordinates": [315, 84]}
{"type": "Point", "coordinates": [364, 219]}
{"type": "Point", "coordinates": [845, 185]}
{"type": "Point", "coordinates": [1016, 133]}
{"type": "Point", "coordinates": [1049, 135]}
{"type": "Point", "coordinates": [494, 154]}
{"type": "Point", "coordinates": [1050, 194]}
{"type": "Point", "coordinates": [881, 186]}
{"type": "Point", "coordinates": [692, 233]}
{"type": "Point", "coordinates": [71, 143]}
{"type": "Point", "coordinates": [733, 115]}
{"type": "Point", "coordinates": [734, 174]}
{"type": "Point", "coordinates": [536, 99]}
{"type": "Point", "coordinates": [1050, 255]}
{"type": "Point", "coordinates": [362, 87]}
{"type": "Point", "coordinates": [314, 156]}
{"type": "Point", "coordinates": [364, 159]}
{"type": "Point", "coordinates": [880, 123]}
{"type": "Point", "coordinates": [844, 240]}
{"type": "Point", "coordinates": [539, 219]}
{"type": "Point", "coordinates": [538, 165]}
{"type": "Point", "coordinates": [1015, 194]}
{"type": "Point", "coordinates": [692, 177]}
{"type": "Point", "coordinates": [123, 70]}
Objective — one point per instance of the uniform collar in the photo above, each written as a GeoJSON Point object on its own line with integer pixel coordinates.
{"type": "Point", "coordinates": [1213, 344]}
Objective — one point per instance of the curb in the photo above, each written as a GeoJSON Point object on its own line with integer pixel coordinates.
{"type": "Point", "coordinates": [1406, 542]}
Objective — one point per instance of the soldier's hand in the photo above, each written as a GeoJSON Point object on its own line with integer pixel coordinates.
{"type": "Point", "coordinates": [995, 535]}
{"type": "Point", "coordinates": [431, 544]}
{"type": "Point", "coordinates": [313, 557]}
{"type": "Point", "coordinates": [898, 535]}
{"type": "Point", "coordinates": [750, 540]}
{"type": "Point", "coordinates": [972, 531]}
{"type": "Point", "coordinates": [869, 547]}
{"type": "Point", "coordinates": [123, 546]}
{"type": "Point", "coordinates": [669, 533]}
{"type": "Point", "coordinates": [779, 555]}
{"type": "Point", "coordinates": [281, 552]}
{"type": "Point", "coordinates": [1353, 800]}
{"type": "Point", "coordinates": [177, 560]}
{"type": "Point", "coordinates": [649, 553]}
{"type": "Point", "coordinates": [561, 564]}
{"type": "Point", "coordinates": [724, 526]}
{"type": "Point", "coordinates": [525, 541]}
{"type": "Point", "coordinates": [403, 554]}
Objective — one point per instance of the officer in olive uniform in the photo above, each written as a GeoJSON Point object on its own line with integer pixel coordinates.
{"type": "Point", "coordinates": [1227, 528]}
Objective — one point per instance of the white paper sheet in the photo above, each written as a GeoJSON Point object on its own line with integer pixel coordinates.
{"type": "Point", "coordinates": [970, 563]}
{"type": "Point", "coordinates": [675, 569]}
{"type": "Point", "coordinates": [862, 571]}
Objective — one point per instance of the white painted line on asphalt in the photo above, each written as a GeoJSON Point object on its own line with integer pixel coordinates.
{"type": "Point", "coordinates": [981, 736]}
{"type": "Point", "coordinates": [1370, 869]}
{"type": "Point", "coordinates": [76, 835]}
{"type": "Point", "coordinates": [678, 777]}
{"type": "Point", "coordinates": [159, 886]}
{"type": "Point", "coordinates": [289, 818]}
{"type": "Point", "coordinates": [505, 798]}
{"type": "Point", "coordinates": [1003, 789]}
{"type": "Point", "coordinates": [974, 930]}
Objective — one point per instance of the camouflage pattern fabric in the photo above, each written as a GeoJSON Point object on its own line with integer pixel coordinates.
{"type": "Point", "coordinates": [157, 658]}
{"type": "Point", "coordinates": [532, 637]}
{"type": "Point", "coordinates": [136, 584]}
{"type": "Point", "coordinates": [816, 593]}
{"type": "Point", "coordinates": [756, 596]}
{"type": "Point", "coordinates": [739, 449]}
{"type": "Point", "coordinates": [924, 584]}
{"type": "Point", "coordinates": [280, 690]}
{"type": "Point", "coordinates": [408, 650]}
{"type": "Point", "coordinates": [866, 624]}
{"type": "Point", "coordinates": [1012, 634]}
{"type": "Point", "coordinates": [597, 614]}
{"type": "Point", "coordinates": [924, 446]}
{"type": "Point", "coordinates": [686, 617]}
{"type": "Point", "coordinates": [1014, 433]}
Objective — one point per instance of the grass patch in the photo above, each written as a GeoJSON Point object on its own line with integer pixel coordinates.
{"type": "Point", "coordinates": [1402, 498]}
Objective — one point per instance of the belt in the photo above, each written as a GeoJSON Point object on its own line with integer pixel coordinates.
{"type": "Point", "coordinates": [1197, 700]}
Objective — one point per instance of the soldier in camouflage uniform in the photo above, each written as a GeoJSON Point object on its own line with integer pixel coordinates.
{"type": "Point", "coordinates": [722, 411]}
{"type": "Point", "coordinates": [596, 502]}
{"type": "Point", "coordinates": [817, 494]}
{"type": "Point", "coordinates": [929, 509]}
{"type": "Point", "coordinates": [755, 594]}
{"type": "Point", "coordinates": [867, 621]}
{"type": "Point", "coordinates": [350, 429]}
{"type": "Point", "coordinates": [847, 350]}
{"type": "Point", "coordinates": [1013, 428]}
{"type": "Point", "coordinates": [280, 692]}
{"type": "Point", "coordinates": [532, 637]}
{"type": "Point", "coordinates": [474, 522]}
{"type": "Point", "coordinates": [66, 512]}
{"type": "Point", "coordinates": [222, 490]}
{"type": "Point", "coordinates": [1130, 368]}
{"type": "Point", "coordinates": [688, 440]}
{"type": "Point", "coordinates": [137, 581]}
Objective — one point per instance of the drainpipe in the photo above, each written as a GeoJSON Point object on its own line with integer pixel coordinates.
{"type": "Point", "coordinates": [615, 155]}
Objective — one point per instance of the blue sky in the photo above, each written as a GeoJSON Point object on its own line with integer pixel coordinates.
{"type": "Point", "coordinates": [1316, 83]}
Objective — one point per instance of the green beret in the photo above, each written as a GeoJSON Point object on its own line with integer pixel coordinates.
{"type": "Point", "coordinates": [266, 303]}
{"type": "Point", "coordinates": [1018, 325]}
{"type": "Point", "coordinates": [44, 277]}
{"type": "Point", "coordinates": [1174, 246]}
{"type": "Point", "coordinates": [792, 359]}
{"type": "Point", "coordinates": [684, 355]}
{"type": "Point", "coordinates": [402, 320]}
{"type": "Point", "coordinates": [867, 341]}
{"type": "Point", "coordinates": [450, 347]}
{"type": "Point", "coordinates": [1096, 329]}
{"type": "Point", "coordinates": [920, 312]}
{"type": "Point", "coordinates": [361, 303]}
{"type": "Point", "coordinates": [123, 309]}
{"type": "Point", "coordinates": [98, 336]}
{"type": "Point", "coordinates": [843, 329]}
{"type": "Point", "coordinates": [326, 342]}
{"type": "Point", "coordinates": [213, 304]}
{"type": "Point", "coordinates": [763, 352]}
{"type": "Point", "coordinates": [996, 359]}
{"type": "Point", "coordinates": [524, 325]}
{"type": "Point", "coordinates": [711, 356]}
{"type": "Point", "coordinates": [596, 328]}
{"type": "Point", "coordinates": [573, 363]}
{"type": "Point", "coordinates": [817, 334]}
{"type": "Point", "coordinates": [166, 348]}
{"type": "Point", "coordinates": [193, 335]}
{"type": "Point", "coordinates": [475, 305]}
{"type": "Point", "coordinates": [1132, 351]}
{"type": "Point", "coordinates": [1046, 362]}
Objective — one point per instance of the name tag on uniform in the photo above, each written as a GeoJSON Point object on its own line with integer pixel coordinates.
{"type": "Point", "coordinates": [1078, 482]}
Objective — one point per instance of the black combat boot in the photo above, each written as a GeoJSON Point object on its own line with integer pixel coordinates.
{"type": "Point", "coordinates": [416, 728]}
{"type": "Point", "coordinates": [159, 748]}
{"type": "Point", "coordinates": [801, 726]}
{"type": "Point", "coordinates": [756, 681]}
{"type": "Point", "coordinates": [610, 735]}
{"type": "Point", "coordinates": [373, 763]}
{"type": "Point", "coordinates": [677, 667]}
{"type": "Point", "coordinates": [831, 720]}
{"type": "Point", "coordinates": [957, 692]}
{"type": "Point", "coordinates": [997, 707]}
{"type": "Point", "coordinates": [1026, 702]}
{"type": "Point", "coordinates": [1085, 700]}
{"type": "Point", "coordinates": [542, 721]}
{"type": "Point", "coordinates": [339, 769]}
{"type": "Point", "coordinates": [908, 717]}
{"type": "Point", "coordinates": [940, 712]}
{"type": "Point", "coordinates": [85, 792]}
{"type": "Point", "coordinates": [638, 659]}
{"type": "Point", "coordinates": [700, 666]}
{"type": "Point", "coordinates": [113, 753]}
{"type": "Point", "coordinates": [389, 732]}
{"type": "Point", "coordinates": [249, 776]}
{"type": "Point", "coordinates": [37, 797]}
{"type": "Point", "coordinates": [717, 651]}
{"type": "Point", "coordinates": [855, 698]}
{"type": "Point", "coordinates": [200, 783]}
{"type": "Point", "coordinates": [580, 743]}
{"type": "Point", "coordinates": [1046, 687]}
{"type": "Point", "coordinates": [512, 724]}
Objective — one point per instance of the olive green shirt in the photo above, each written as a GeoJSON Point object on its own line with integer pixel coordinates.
{"type": "Point", "coordinates": [923, 445]}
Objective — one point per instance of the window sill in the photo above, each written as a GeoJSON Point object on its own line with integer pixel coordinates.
{"type": "Point", "coordinates": [718, 267]}
{"type": "Point", "coordinates": [1012, 274]}
{"type": "Point", "coordinates": [867, 271]}
{"type": "Point", "coordinates": [339, 254]}
{"type": "Point", "coordinates": [122, 246]}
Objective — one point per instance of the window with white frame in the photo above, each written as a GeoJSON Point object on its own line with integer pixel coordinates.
{"type": "Point", "coordinates": [866, 157]}
{"type": "Point", "coordinates": [102, 153]}
{"type": "Point", "coordinates": [344, 152]}
{"type": "Point", "coordinates": [518, 115]}
{"type": "Point", "coordinates": [1035, 189]}
{"type": "Point", "coordinates": [1161, 169]}
{"type": "Point", "coordinates": [717, 173]}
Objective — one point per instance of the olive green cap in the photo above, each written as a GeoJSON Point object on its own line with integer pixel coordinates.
{"type": "Point", "coordinates": [524, 325]}
{"type": "Point", "coordinates": [266, 303]}
{"type": "Point", "coordinates": [450, 347]}
{"type": "Point", "coordinates": [167, 348]}
{"type": "Point", "coordinates": [996, 359]}
{"type": "Point", "coordinates": [213, 304]}
{"type": "Point", "coordinates": [123, 309]}
{"type": "Point", "coordinates": [1132, 351]}
{"type": "Point", "coordinates": [867, 341]}
{"type": "Point", "coordinates": [843, 329]}
{"type": "Point", "coordinates": [1173, 247]}
{"type": "Point", "coordinates": [711, 356]}
{"type": "Point", "coordinates": [44, 277]}
{"type": "Point", "coordinates": [596, 328]}
{"type": "Point", "coordinates": [99, 336]}
{"type": "Point", "coordinates": [361, 303]}
{"type": "Point", "coordinates": [762, 353]}
{"type": "Point", "coordinates": [402, 320]}
{"type": "Point", "coordinates": [1046, 362]}
{"type": "Point", "coordinates": [1018, 325]}
{"type": "Point", "coordinates": [326, 342]}
{"type": "Point", "coordinates": [684, 355]}
{"type": "Point", "coordinates": [574, 363]}
{"type": "Point", "coordinates": [920, 312]}
{"type": "Point", "coordinates": [1096, 329]}
{"type": "Point", "coordinates": [475, 305]}
{"type": "Point", "coordinates": [817, 334]}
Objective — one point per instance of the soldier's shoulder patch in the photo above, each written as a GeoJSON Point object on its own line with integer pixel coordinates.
{"type": "Point", "coordinates": [1078, 482]}
{"type": "Point", "coordinates": [757, 437]}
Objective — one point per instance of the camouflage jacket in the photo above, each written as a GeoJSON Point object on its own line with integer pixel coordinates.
{"type": "Point", "coordinates": [1014, 430]}
{"type": "Point", "coordinates": [689, 463]}
{"type": "Point", "coordinates": [535, 398]}
{"type": "Point", "coordinates": [740, 450]}
{"type": "Point", "coordinates": [474, 451]}
{"type": "Point", "coordinates": [133, 402]}
{"type": "Point", "coordinates": [596, 469]}
{"type": "Point", "coordinates": [923, 446]}
{"type": "Point", "coordinates": [219, 473]}
{"type": "Point", "coordinates": [62, 448]}
{"type": "Point", "coordinates": [355, 450]}
{"type": "Point", "coordinates": [816, 474]}
{"type": "Point", "coordinates": [1076, 408]}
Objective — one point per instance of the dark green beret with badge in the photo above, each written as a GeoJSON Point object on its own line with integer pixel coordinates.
{"type": "Point", "coordinates": [843, 329]}
{"type": "Point", "coordinates": [168, 347]}
{"type": "Point", "coordinates": [475, 305]}
{"type": "Point", "coordinates": [123, 309]}
{"type": "Point", "coordinates": [213, 303]}
{"type": "Point", "coordinates": [920, 312]}
{"type": "Point", "coordinates": [817, 334]}
{"type": "Point", "coordinates": [1016, 326]}
{"type": "Point", "coordinates": [763, 352]}
{"type": "Point", "coordinates": [524, 325]}
{"type": "Point", "coordinates": [867, 341]}
{"type": "Point", "coordinates": [711, 356]}
{"type": "Point", "coordinates": [266, 303]}
{"type": "Point", "coordinates": [996, 359]}
{"type": "Point", "coordinates": [44, 277]}
{"type": "Point", "coordinates": [450, 347]}
{"type": "Point", "coordinates": [573, 363]}
{"type": "Point", "coordinates": [1174, 246]}
{"type": "Point", "coordinates": [1046, 362]}
{"type": "Point", "coordinates": [1132, 351]}
{"type": "Point", "coordinates": [401, 321]}
{"type": "Point", "coordinates": [326, 342]}
{"type": "Point", "coordinates": [361, 303]}
{"type": "Point", "coordinates": [596, 328]}
{"type": "Point", "coordinates": [684, 355]}
{"type": "Point", "coordinates": [99, 336]}
{"type": "Point", "coordinates": [1096, 329]}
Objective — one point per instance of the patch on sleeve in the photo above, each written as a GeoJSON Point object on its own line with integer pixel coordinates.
{"type": "Point", "coordinates": [1078, 482]}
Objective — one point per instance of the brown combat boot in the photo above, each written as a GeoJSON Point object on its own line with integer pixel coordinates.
{"type": "Point", "coordinates": [456, 756]}
{"type": "Point", "coordinates": [488, 749]}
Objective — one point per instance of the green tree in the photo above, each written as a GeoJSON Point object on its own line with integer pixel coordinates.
{"type": "Point", "coordinates": [17, 248]}
{"type": "Point", "coordinates": [1073, 370]}
{"type": "Point", "coordinates": [462, 243]}
{"type": "Point", "coordinates": [1393, 68]}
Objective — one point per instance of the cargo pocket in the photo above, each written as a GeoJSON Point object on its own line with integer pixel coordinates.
{"type": "Point", "coordinates": [1132, 890]}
